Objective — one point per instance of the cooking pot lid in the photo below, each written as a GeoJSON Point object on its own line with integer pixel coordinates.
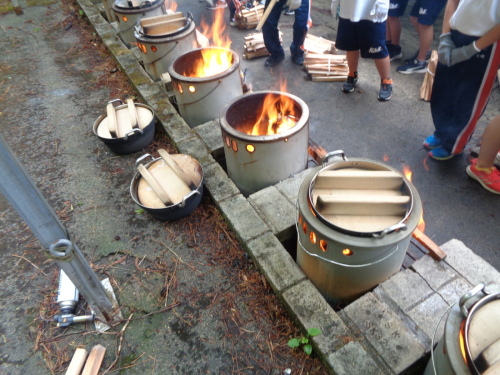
{"type": "Point", "coordinates": [167, 25]}
{"type": "Point", "coordinates": [360, 197]}
{"type": "Point", "coordinates": [124, 120]}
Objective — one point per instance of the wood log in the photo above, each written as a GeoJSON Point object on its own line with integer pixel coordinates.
{"type": "Point", "coordinates": [434, 250]}
{"type": "Point", "coordinates": [77, 362]}
{"type": "Point", "coordinates": [328, 79]}
{"type": "Point", "coordinates": [176, 168]}
{"type": "Point", "coordinates": [165, 27]}
{"type": "Point", "coordinates": [161, 18]}
{"type": "Point", "coordinates": [94, 361]}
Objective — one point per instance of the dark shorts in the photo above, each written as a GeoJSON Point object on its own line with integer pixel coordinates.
{"type": "Point", "coordinates": [366, 36]}
{"type": "Point", "coordinates": [427, 11]}
{"type": "Point", "coordinates": [397, 8]}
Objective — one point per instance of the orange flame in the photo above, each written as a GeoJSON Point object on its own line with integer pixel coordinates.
{"type": "Point", "coordinates": [214, 61]}
{"type": "Point", "coordinates": [408, 174]}
{"type": "Point", "coordinates": [171, 4]}
{"type": "Point", "coordinates": [385, 158]}
{"type": "Point", "coordinates": [277, 115]}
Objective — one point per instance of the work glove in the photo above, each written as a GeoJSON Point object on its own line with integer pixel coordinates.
{"type": "Point", "coordinates": [335, 8]}
{"type": "Point", "coordinates": [445, 47]}
{"type": "Point", "coordinates": [293, 4]}
{"type": "Point", "coordinates": [463, 53]}
{"type": "Point", "coordinates": [380, 10]}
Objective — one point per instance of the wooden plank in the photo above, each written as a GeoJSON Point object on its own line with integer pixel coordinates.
{"type": "Point", "coordinates": [176, 168]}
{"type": "Point", "coordinates": [374, 205]}
{"type": "Point", "coordinates": [434, 250]}
{"type": "Point", "coordinates": [77, 362]}
{"type": "Point", "coordinates": [162, 17]}
{"type": "Point", "coordinates": [94, 361]}
{"type": "Point", "coordinates": [165, 27]}
{"type": "Point", "coordinates": [316, 151]}
{"type": "Point", "coordinates": [112, 123]}
{"type": "Point", "coordinates": [359, 179]}
{"type": "Point", "coordinates": [363, 223]}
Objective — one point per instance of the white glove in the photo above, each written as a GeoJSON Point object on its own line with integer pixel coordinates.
{"type": "Point", "coordinates": [380, 10]}
{"type": "Point", "coordinates": [334, 7]}
{"type": "Point", "coordinates": [293, 4]}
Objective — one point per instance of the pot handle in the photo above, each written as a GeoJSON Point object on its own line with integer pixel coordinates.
{"type": "Point", "coordinates": [183, 202]}
{"type": "Point", "coordinates": [132, 132]}
{"type": "Point", "coordinates": [467, 296]}
{"type": "Point", "coordinates": [145, 156]}
{"type": "Point", "coordinates": [325, 158]}
{"type": "Point", "coordinates": [392, 228]}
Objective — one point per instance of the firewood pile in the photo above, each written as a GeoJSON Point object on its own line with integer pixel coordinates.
{"type": "Point", "coordinates": [326, 67]}
{"type": "Point", "coordinates": [426, 88]}
{"type": "Point", "coordinates": [315, 44]}
{"type": "Point", "coordinates": [254, 46]}
{"type": "Point", "coordinates": [248, 18]}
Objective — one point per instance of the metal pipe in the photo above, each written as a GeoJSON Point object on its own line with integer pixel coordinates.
{"type": "Point", "coordinates": [28, 201]}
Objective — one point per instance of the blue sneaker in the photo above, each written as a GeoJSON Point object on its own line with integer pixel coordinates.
{"type": "Point", "coordinates": [413, 67]}
{"type": "Point", "coordinates": [441, 154]}
{"type": "Point", "coordinates": [432, 142]}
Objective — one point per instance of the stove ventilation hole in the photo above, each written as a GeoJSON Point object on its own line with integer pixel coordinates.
{"type": "Point", "coordinates": [250, 148]}
{"type": "Point", "coordinates": [323, 245]}
{"type": "Point", "coordinates": [143, 48]}
{"type": "Point", "coordinates": [154, 49]}
{"type": "Point", "coordinates": [191, 88]}
{"type": "Point", "coordinates": [347, 252]}
{"type": "Point", "coordinates": [286, 139]}
{"type": "Point", "coordinates": [304, 228]}
{"type": "Point", "coordinates": [228, 141]}
{"type": "Point", "coordinates": [234, 146]}
{"type": "Point", "coordinates": [124, 18]}
{"type": "Point", "coordinates": [179, 88]}
{"type": "Point", "coordinates": [312, 237]}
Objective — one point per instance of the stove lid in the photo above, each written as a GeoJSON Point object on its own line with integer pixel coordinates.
{"type": "Point", "coordinates": [165, 25]}
{"type": "Point", "coordinates": [134, 4]}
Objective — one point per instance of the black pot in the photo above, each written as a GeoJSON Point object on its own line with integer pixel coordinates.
{"type": "Point", "coordinates": [188, 203]}
{"type": "Point", "coordinates": [133, 141]}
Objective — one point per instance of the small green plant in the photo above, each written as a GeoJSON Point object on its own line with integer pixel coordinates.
{"type": "Point", "coordinates": [139, 211]}
{"type": "Point", "coordinates": [304, 341]}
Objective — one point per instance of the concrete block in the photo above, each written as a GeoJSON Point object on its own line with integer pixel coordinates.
{"type": "Point", "coordinates": [274, 262]}
{"type": "Point", "coordinates": [427, 314]}
{"type": "Point", "coordinates": [406, 289]}
{"type": "Point", "coordinates": [308, 307]}
{"type": "Point", "coordinates": [211, 134]}
{"type": "Point", "coordinates": [242, 218]}
{"type": "Point", "coordinates": [353, 359]}
{"type": "Point", "coordinates": [394, 342]}
{"type": "Point", "coordinates": [435, 273]}
{"type": "Point", "coordinates": [193, 146]}
{"type": "Point", "coordinates": [454, 290]}
{"type": "Point", "coordinates": [290, 187]}
{"type": "Point", "coordinates": [471, 266]}
{"type": "Point", "coordinates": [218, 183]}
{"type": "Point", "coordinates": [276, 211]}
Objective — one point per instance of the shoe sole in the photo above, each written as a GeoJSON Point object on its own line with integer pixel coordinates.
{"type": "Point", "coordinates": [384, 99]}
{"type": "Point", "coordinates": [442, 158]}
{"type": "Point", "coordinates": [412, 71]}
{"type": "Point", "coordinates": [473, 176]}
{"type": "Point", "coordinates": [349, 91]}
{"type": "Point", "coordinates": [429, 147]}
{"type": "Point", "coordinates": [397, 57]}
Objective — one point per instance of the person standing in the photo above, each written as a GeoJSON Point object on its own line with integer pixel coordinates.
{"type": "Point", "coordinates": [393, 32]}
{"type": "Point", "coordinates": [301, 25]}
{"type": "Point", "coordinates": [423, 15]}
{"type": "Point", "coordinates": [361, 33]}
{"type": "Point", "coordinates": [469, 59]}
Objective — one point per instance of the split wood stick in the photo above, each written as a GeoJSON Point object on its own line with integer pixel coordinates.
{"type": "Point", "coordinates": [176, 168]}
{"type": "Point", "coordinates": [163, 17]}
{"type": "Point", "coordinates": [77, 362]}
{"type": "Point", "coordinates": [201, 39]}
{"type": "Point", "coordinates": [270, 7]}
{"type": "Point", "coordinates": [324, 73]}
{"type": "Point", "coordinates": [164, 27]}
{"type": "Point", "coordinates": [158, 190]}
{"type": "Point", "coordinates": [112, 123]}
{"type": "Point", "coordinates": [329, 79]}
{"type": "Point", "coordinates": [94, 361]}
{"type": "Point", "coordinates": [434, 250]}
{"type": "Point", "coordinates": [133, 114]}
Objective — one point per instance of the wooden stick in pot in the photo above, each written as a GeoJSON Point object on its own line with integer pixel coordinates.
{"type": "Point", "coordinates": [112, 123]}
{"type": "Point", "coordinates": [159, 191]}
{"type": "Point", "coordinates": [177, 169]}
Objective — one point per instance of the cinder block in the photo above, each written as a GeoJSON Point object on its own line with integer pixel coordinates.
{"type": "Point", "coordinates": [242, 218]}
{"type": "Point", "coordinates": [307, 306]}
{"type": "Point", "coordinates": [406, 289]}
{"type": "Point", "coordinates": [211, 134]}
{"type": "Point", "coordinates": [436, 274]}
{"type": "Point", "coordinates": [276, 211]}
{"type": "Point", "coordinates": [471, 266]}
{"type": "Point", "coordinates": [454, 290]}
{"type": "Point", "coordinates": [219, 185]}
{"type": "Point", "coordinates": [353, 359]}
{"type": "Point", "coordinates": [394, 342]}
{"type": "Point", "coordinates": [427, 314]}
{"type": "Point", "coordinates": [290, 187]}
{"type": "Point", "coordinates": [274, 262]}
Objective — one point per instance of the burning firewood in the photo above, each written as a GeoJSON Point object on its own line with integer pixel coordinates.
{"type": "Point", "coordinates": [326, 67]}
{"type": "Point", "coordinates": [426, 88]}
{"type": "Point", "coordinates": [248, 18]}
{"type": "Point", "coordinates": [254, 46]}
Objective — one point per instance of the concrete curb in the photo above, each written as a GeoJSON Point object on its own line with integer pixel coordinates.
{"type": "Point", "coordinates": [387, 331]}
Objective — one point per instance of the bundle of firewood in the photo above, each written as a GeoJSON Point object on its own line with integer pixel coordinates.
{"type": "Point", "coordinates": [248, 18]}
{"type": "Point", "coordinates": [254, 46]}
{"type": "Point", "coordinates": [426, 88]}
{"type": "Point", "coordinates": [315, 44]}
{"type": "Point", "coordinates": [326, 67]}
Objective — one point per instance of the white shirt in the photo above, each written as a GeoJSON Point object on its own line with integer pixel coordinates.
{"type": "Point", "coordinates": [475, 17]}
{"type": "Point", "coordinates": [356, 10]}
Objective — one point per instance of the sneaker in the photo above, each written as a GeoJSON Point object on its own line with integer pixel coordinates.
{"type": "Point", "coordinates": [413, 67]}
{"type": "Point", "coordinates": [385, 92]}
{"type": "Point", "coordinates": [395, 53]}
{"type": "Point", "coordinates": [414, 57]}
{"type": "Point", "coordinates": [489, 178]}
{"type": "Point", "coordinates": [272, 61]}
{"type": "Point", "coordinates": [349, 85]}
{"type": "Point", "coordinates": [441, 154]}
{"type": "Point", "coordinates": [432, 142]}
{"type": "Point", "coordinates": [233, 22]}
{"type": "Point", "coordinates": [289, 12]}
{"type": "Point", "coordinates": [298, 59]}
